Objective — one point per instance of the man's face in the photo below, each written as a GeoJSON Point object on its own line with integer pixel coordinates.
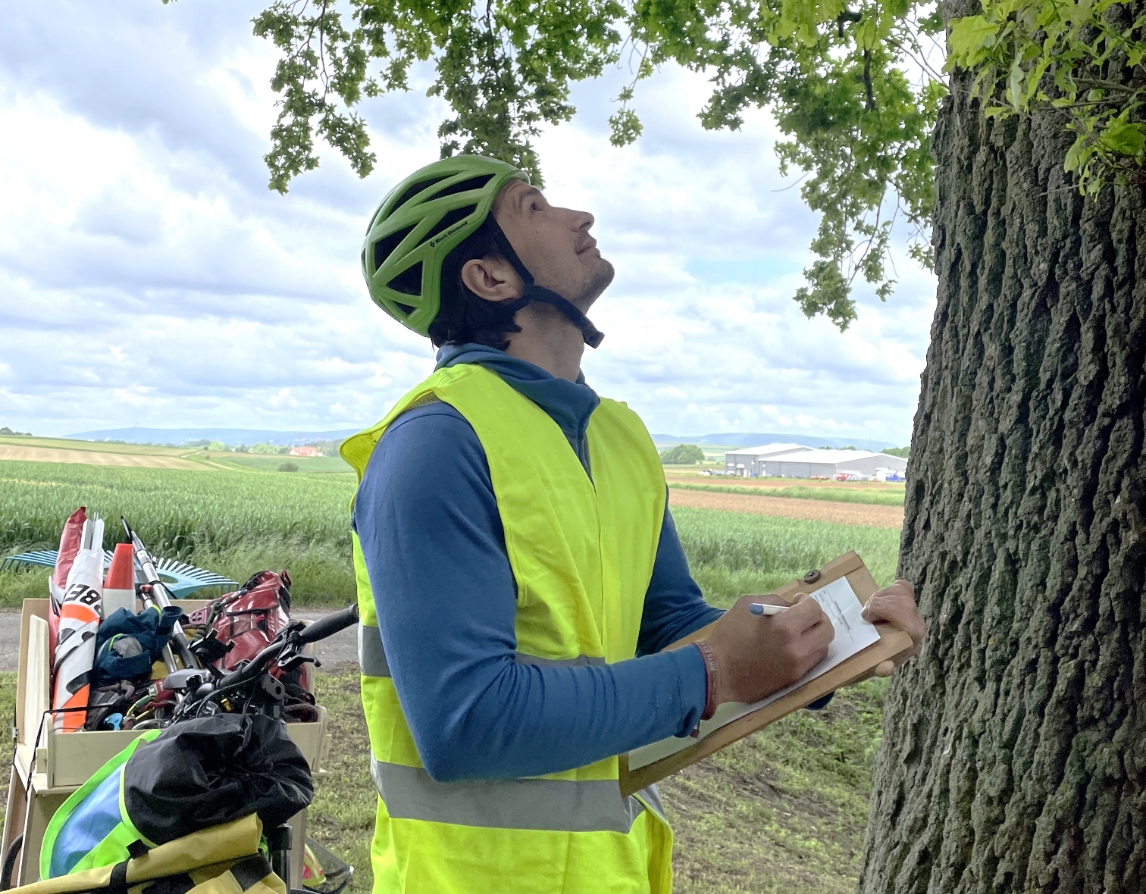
{"type": "Point", "coordinates": [553, 243]}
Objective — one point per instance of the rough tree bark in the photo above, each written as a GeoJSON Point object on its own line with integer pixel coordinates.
{"type": "Point", "coordinates": [1014, 749]}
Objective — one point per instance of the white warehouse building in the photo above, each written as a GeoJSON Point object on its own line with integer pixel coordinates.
{"type": "Point", "coordinates": [747, 461]}
{"type": "Point", "coordinates": [795, 461]}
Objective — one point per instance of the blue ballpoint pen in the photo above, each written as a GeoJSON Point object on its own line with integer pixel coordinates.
{"type": "Point", "coordinates": [763, 608]}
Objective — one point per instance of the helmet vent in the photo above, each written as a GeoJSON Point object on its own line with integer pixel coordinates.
{"type": "Point", "coordinates": [405, 308]}
{"type": "Point", "coordinates": [409, 281]}
{"type": "Point", "coordinates": [385, 246]}
{"type": "Point", "coordinates": [448, 220]}
{"type": "Point", "coordinates": [414, 190]}
{"type": "Point", "coordinates": [465, 186]}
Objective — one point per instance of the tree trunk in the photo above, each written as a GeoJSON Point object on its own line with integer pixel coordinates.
{"type": "Point", "coordinates": [1014, 748]}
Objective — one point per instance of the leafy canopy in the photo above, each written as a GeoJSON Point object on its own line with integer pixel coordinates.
{"type": "Point", "coordinates": [851, 86]}
{"type": "Point", "coordinates": [682, 455]}
{"type": "Point", "coordinates": [1084, 58]}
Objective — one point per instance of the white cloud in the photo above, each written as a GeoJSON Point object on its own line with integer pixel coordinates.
{"type": "Point", "coordinates": [147, 276]}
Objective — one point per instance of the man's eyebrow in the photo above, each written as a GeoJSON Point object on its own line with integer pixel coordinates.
{"type": "Point", "coordinates": [527, 194]}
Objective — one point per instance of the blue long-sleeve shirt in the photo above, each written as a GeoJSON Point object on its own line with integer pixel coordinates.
{"type": "Point", "coordinates": [446, 601]}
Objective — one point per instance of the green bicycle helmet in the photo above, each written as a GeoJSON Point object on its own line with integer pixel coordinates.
{"type": "Point", "coordinates": [427, 216]}
{"type": "Point", "coordinates": [418, 224]}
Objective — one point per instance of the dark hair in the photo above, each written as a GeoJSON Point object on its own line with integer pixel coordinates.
{"type": "Point", "coordinates": [463, 316]}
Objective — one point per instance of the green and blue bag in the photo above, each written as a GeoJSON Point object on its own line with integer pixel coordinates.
{"type": "Point", "coordinates": [174, 782]}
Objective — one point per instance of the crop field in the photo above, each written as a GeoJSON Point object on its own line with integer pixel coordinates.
{"type": "Point", "coordinates": [272, 463]}
{"type": "Point", "coordinates": [236, 523]}
{"type": "Point", "coordinates": [731, 553]}
{"type": "Point", "coordinates": [91, 453]}
{"type": "Point", "coordinates": [101, 453]}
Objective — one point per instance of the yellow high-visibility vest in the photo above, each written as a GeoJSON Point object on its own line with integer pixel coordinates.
{"type": "Point", "coordinates": [582, 554]}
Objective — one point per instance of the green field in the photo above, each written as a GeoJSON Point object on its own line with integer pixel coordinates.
{"type": "Point", "coordinates": [236, 523]}
{"type": "Point", "coordinates": [273, 463]}
{"type": "Point", "coordinates": [731, 554]}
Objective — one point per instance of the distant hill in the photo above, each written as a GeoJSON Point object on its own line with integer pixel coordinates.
{"type": "Point", "coordinates": [249, 436]}
{"type": "Point", "coordinates": [228, 436]}
{"type": "Point", "coordinates": [759, 439]}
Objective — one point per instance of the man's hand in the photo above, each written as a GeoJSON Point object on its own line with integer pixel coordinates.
{"type": "Point", "coordinates": [756, 656]}
{"type": "Point", "coordinates": [895, 605]}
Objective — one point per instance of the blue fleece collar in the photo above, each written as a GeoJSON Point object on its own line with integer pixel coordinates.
{"type": "Point", "coordinates": [569, 404]}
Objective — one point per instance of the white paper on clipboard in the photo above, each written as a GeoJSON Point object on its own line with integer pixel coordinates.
{"type": "Point", "coordinates": [853, 634]}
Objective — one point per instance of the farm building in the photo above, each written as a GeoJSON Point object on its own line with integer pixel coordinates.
{"type": "Point", "coordinates": [829, 464]}
{"type": "Point", "coordinates": [747, 461]}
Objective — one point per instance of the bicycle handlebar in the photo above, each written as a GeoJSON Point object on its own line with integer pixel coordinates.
{"type": "Point", "coordinates": [302, 635]}
{"type": "Point", "coordinates": [330, 625]}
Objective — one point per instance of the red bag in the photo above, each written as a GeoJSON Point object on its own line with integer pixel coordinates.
{"type": "Point", "coordinates": [250, 617]}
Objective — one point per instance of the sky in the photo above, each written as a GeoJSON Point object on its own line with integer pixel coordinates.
{"type": "Point", "coordinates": [148, 276]}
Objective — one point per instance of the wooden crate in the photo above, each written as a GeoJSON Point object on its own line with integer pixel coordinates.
{"type": "Point", "coordinates": [48, 766]}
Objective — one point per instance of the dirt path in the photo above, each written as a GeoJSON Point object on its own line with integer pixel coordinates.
{"type": "Point", "coordinates": [94, 458]}
{"type": "Point", "coordinates": [784, 507]}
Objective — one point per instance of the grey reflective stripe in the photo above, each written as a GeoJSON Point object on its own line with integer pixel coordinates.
{"type": "Point", "coordinates": [371, 655]}
{"type": "Point", "coordinates": [579, 661]}
{"type": "Point", "coordinates": [652, 800]}
{"type": "Point", "coordinates": [548, 805]}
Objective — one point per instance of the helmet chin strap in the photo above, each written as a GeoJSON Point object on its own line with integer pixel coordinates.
{"type": "Point", "coordinates": [533, 292]}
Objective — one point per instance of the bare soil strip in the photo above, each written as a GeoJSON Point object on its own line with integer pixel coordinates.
{"type": "Point", "coordinates": [749, 483]}
{"type": "Point", "coordinates": [811, 510]}
{"type": "Point", "coordinates": [92, 458]}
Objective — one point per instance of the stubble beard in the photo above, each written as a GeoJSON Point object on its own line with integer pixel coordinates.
{"type": "Point", "coordinates": [602, 276]}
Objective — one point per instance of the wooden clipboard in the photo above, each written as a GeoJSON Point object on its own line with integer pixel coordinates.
{"type": "Point", "coordinates": [892, 643]}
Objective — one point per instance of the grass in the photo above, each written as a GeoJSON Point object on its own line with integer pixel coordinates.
{"type": "Point", "coordinates": [798, 492]}
{"type": "Point", "coordinates": [342, 815]}
{"type": "Point", "coordinates": [8, 713]}
{"type": "Point", "coordinates": [783, 810]}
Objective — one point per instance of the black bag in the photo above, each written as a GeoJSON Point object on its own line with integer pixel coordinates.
{"type": "Point", "coordinates": [211, 770]}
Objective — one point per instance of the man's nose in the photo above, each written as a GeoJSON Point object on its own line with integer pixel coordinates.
{"type": "Point", "coordinates": [584, 220]}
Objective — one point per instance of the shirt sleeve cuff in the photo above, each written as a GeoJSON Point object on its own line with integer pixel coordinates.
{"type": "Point", "coordinates": [693, 687]}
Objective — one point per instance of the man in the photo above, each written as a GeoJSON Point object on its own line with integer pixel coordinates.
{"type": "Point", "coordinates": [520, 578]}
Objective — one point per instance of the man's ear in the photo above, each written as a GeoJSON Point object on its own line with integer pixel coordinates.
{"type": "Point", "coordinates": [492, 278]}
